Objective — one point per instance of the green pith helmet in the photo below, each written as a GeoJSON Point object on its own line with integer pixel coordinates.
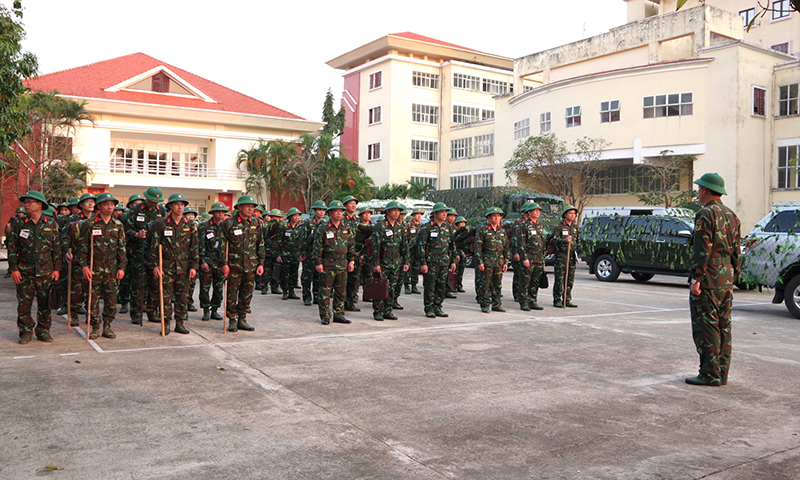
{"type": "Point", "coordinates": [335, 205]}
{"type": "Point", "coordinates": [106, 197]}
{"type": "Point", "coordinates": [49, 212]}
{"type": "Point", "coordinates": [417, 210]}
{"type": "Point", "coordinates": [319, 204]}
{"type": "Point", "coordinates": [204, 216]}
{"type": "Point", "coordinates": [438, 207]}
{"type": "Point", "coordinates": [154, 194]}
{"type": "Point", "coordinates": [258, 208]}
{"type": "Point", "coordinates": [566, 209]}
{"type": "Point", "coordinates": [713, 182]}
{"type": "Point", "coordinates": [493, 210]}
{"type": "Point", "coordinates": [87, 196]}
{"type": "Point", "coordinates": [134, 198]}
{"type": "Point", "coordinates": [349, 198]}
{"type": "Point", "coordinates": [177, 197]}
{"type": "Point", "coordinates": [363, 210]}
{"type": "Point", "coordinates": [292, 211]}
{"type": "Point", "coordinates": [391, 205]}
{"type": "Point", "coordinates": [120, 207]}
{"type": "Point", "coordinates": [73, 202]}
{"type": "Point", "coordinates": [245, 200]}
{"type": "Point", "coordinates": [20, 209]}
{"type": "Point", "coordinates": [460, 219]}
{"type": "Point", "coordinates": [189, 210]}
{"type": "Point", "coordinates": [218, 207]}
{"type": "Point", "coordinates": [36, 195]}
{"type": "Point", "coordinates": [276, 212]}
{"type": "Point", "coordinates": [530, 206]}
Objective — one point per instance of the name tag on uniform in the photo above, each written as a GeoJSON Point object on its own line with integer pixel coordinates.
{"type": "Point", "coordinates": [237, 231]}
{"type": "Point", "coordinates": [24, 233]}
{"type": "Point", "coordinates": [167, 233]}
{"type": "Point", "coordinates": [389, 233]}
{"type": "Point", "coordinates": [413, 230]}
{"type": "Point", "coordinates": [96, 232]}
{"type": "Point", "coordinates": [434, 234]}
{"type": "Point", "coordinates": [140, 218]}
{"type": "Point", "coordinates": [288, 234]}
{"type": "Point", "coordinates": [210, 235]}
{"type": "Point", "coordinates": [329, 235]}
{"type": "Point", "coordinates": [533, 232]}
{"type": "Point", "coordinates": [565, 233]}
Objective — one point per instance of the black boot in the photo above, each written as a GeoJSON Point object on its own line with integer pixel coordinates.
{"type": "Point", "coordinates": [293, 296]}
{"type": "Point", "coordinates": [206, 315]}
{"type": "Point", "coordinates": [215, 315]}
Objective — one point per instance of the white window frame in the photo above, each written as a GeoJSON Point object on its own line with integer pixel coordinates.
{"type": "Point", "coordinates": [753, 101]}
{"type": "Point", "coordinates": [420, 112]}
{"type": "Point", "coordinates": [375, 115]}
{"type": "Point", "coordinates": [786, 170]}
{"type": "Point", "coordinates": [371, 157]}
{"type": "Point", "coordinates": [418, 79]}
{"type": "Point", "coordinates": [460, 177]}
{"type": "Point", "coordinates": [747, 15]}
{"type": "Point", "coordinates": [494, 87]}
{"type": "Point", "coordinates": [781, 10]}
{"type": "Point", "coordinates": [607, 111]}
{"type": "Point", "coordinates": [372, 77]}
{"type": "Point", "coordinates": [484, 145]}
{"type": "Point", "coordinates": [789, 100]}
{"type": "Point", "coordinates": [487, 114]}
{"type": "Point", "coordinates": [424, 149]}
{"type": "Point", "coordinates": [461, 148]}
{"type": "Point", "coordinates": [664, 103]}
{"type": "Point", "coordinates": [476, 110]}
{"type": "Point", "coordinates": [545, 124]}
{"type": "Point", "coordinates": [482, 175]}
{"type": "Point", "coordinates": [522, 128]}
{"type": "Point", "coordinates": [466, 82]}
{"type": "Point", "coordinates": [788, 47]}
{"type": "Point", "coordinates": [426, 178]}
{"type": "Point", "coordinates": [573, 116]}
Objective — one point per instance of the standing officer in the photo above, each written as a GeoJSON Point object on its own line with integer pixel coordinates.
{"type": "Point", "coordinates": [211, 276]}
{"type": "Point", "coordinates": [363, 234]}
{"type": "Point", "coordinates": [461, 255]}
{"type": "Point", "coordinates": [715, 266]}
{"type": "Point", "coordinates": [272, 246]}
{"type": "Point", "coordinates": [191, 215]}
{"type": "Point", "coordinates": [102, 259]}
{"type": "Point", "coordinates": [351, 220]}
{"type": "Point", "coordinates": [124, 296]}
{"type": "Point", "coordinates": [18, 213]}
{"type": "Point", "coordinates": [334, 256]}
{"type": "Point", "coordinates": [436, 251]}
{"type": "Point", "coordinates": [70, 241]}
{"type": "Point", "coordinates": [144, 286]}
{"type": "Point", "coordinates": [413, 227]}
{"type": "Point", "coordinates": [564, 237]}
{"type": "Point", "coordinates": [389, 257]}
{"type": "Point", "coordinates": [34, 258]}
{"type": "Point", "coordinates": [491, 255]}
{"type": "Point", "coordinates": [291, 246]}
{"type": "Point", "coordinates": [245, 243]}
{"type": "Point", "coordinates": [310, 278]}
{"type": "Point", "coordinates": [530, 246]}
{"type": "Point", "coordinates": [452, 214]}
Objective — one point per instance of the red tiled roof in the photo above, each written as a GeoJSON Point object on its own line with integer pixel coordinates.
{"type": "Point", "coordinates": [421, 38]}
{"type": "Point", "coordinates": [90, 81]}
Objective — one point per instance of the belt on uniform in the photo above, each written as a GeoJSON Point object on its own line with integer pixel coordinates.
{"type": "Point", "coordinates": [719, 261]}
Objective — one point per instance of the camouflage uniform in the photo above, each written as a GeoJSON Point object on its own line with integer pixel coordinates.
{"type": "Point", "coordinates": [209, 253]}
{"type": "Point", "coordinates": [412, 276]}
{"type": "Point", "coordinates": [530, 245]}
{"type": "Point", "coordinates": [558, 238]}
{"type": "Point", "coordinates": [491, 250]}
{"type": "Point", "coordinates": [309, 278]}
{"type": "Point", "coordinates": [353, 283]}
{"type": "Point", "coordinates": [245, 244]}
{"type": "Point", "coordinates": [436, 249]}
{"type": "Point", "coordinates": [70, 242]}
{"type": "Point", "coordinates": [292, 245]}
{"type": "Point", "coordinates": [516, 265]}
{"type": "Point", "coordinates": [144, 285]}
{"type": "Point", "coordinates": [272, 246]}
{"type": "Point", "coordinates": [364, 251]}
{"type": "Point", "coordinates": [464, 242]}
{"type": "Point", "coordinates": [333, 248]}
{"type": "Point", "coordinates": [390, 251]}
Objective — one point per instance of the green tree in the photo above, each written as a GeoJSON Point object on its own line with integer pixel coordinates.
{"type": "Point", "coordinates": [663, 186]}
{"type": "Point", "coordinates": [334, 121]}
{"type": "Point", "coordinates": [417, 190]}
{"type": "Point", "coordinates": [267, 164]}
{"type": "Point", "coordinates": [391, 192]}
{"type": "Point", "coordinates": [15, 67]}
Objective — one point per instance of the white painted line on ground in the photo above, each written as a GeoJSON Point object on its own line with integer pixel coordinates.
{"type": "Point", "coordinates": [68, 354]}
{"type": "Point", "coordinates": [91, 342]}
{"type": "Point", "coordinates": [24, 357]}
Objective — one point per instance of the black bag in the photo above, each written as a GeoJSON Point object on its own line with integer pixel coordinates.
{"type": "Point", "coordinates": [276, 271]}
{"type": "Point", "coordinates": [54, 300]}
{"type": "Point", "coordinates": [376, 288]}
{"type": "Point", "coordinates": [452, 281]}
{"type": "Point", "coordinates": [544, 283]}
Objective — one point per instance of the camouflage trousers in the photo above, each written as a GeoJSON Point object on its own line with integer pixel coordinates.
{"type": "Point", "coordinates": [143, 287]}
{"type": "Point", "coordinates": [394, 274]}
{"type": "Point", "coordinates": [176, 286]}
{"type": "Point", "coordinates": [492, 294]}
{"type": "Point", "coordinates": [104, 287]}
{"type": "Point", "coordinates": [480, 283]}
{"type": "Point", "coordinates": [124, 294]}
{"type": "Point", "coordinates": [332, 285]}
{"type": "Point", "coordinates": [412, 275]}
{"type": "Point", "coordinates": [289, 272]}
{"type": "Point", "coordinates": [711, 330]}
{"type": "Point", "coordinates": [529, 278]}
{"type": "Point", "coordinates": [266, 279]}
{"type": "Point", "coordinates": [215, 280]}
{"type": "Point", "coordinates": [353, 283]}
{"type": "Point", "coordinates": [77, 294]}
{"type": "Point", "coordinates": [561, 274]}
{"type": "Point", "coordinates": [192, 286]}
{"type": "Point", "coordinates": [239, 292]}
{"type": "Point", "coordinates": [310, 280]}
{"type": "Point", "coordinates": [516, 284]}
{"type": "Point", "coordinates": [435, 283]}
{"type": "Point", "coordinates": [461, 267]}
{"type": "Point", "coordinates": [31, 288]}
{"type": "Point", "coordinates": [364, 271]}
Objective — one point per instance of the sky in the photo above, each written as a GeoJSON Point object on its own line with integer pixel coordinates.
{"type": "Point", "coordinates": [275, 51]}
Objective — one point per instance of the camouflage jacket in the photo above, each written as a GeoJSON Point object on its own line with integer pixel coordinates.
{"type": "Point", "coordinates": [309, 231]}
{"type": "Point", "coordinates": [558, 238]}
{"type": "Point", "coordinates": [272, 242]}
{"type": "Point", "coordinates": [106, 252]}
{"type": "Point", "coordinates": [245, 243]}
{"type": "Point", "coordinates": [351, 222]}
{"type": "Point", "coordinates": [364, 241]}
{"type": "Point", "coordinates": [178, 242]}
{"type": "Point", "coordinates": [491, 246]}
{"type": "Point", "coordinates": [715, 246]}
{"type": "Point", "coordinates": [435, 244]}
{"type": "Point", "coordinates": [412, 232]}
{"type": "Point", "coordinates": [389, 245]}
{"type": "Point", "coordinates": [333, 246]}
{"type": "Point", "coordinates": [464, 239]}
{"type": "Point", "coordinates": [67, 230]}
{"type": "Point", "coordinates": [292, 241]}
{"type": "Point", "coordinates": [531, 242]}
{"type": "Point", "coordinates": [209, 239]}
{"type": "Point", "coordinates": [34, 249]}
{"type": "Point", "coordinates": [513, 237]}
{"type": "Point", "coordinates": [140, 218]}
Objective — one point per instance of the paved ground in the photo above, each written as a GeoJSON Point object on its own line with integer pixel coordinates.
{"type": "Point", "coordinates": [591, 393]}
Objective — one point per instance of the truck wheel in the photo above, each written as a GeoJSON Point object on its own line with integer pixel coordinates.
{"type": "Point", "coordinates": [792, 296]}
{"type": "Point", "coordinates": [606, 269]}
{"type": "Point", "coordinates": [641, 277]}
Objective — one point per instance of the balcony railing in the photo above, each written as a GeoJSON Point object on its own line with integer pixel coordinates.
{"type": "Point", "coordinates": [164, 169]}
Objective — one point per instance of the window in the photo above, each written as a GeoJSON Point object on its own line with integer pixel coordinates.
{"type": "Point", "coordinates": [788, 171]}
{"type": "Point", "coordinates": [527, 88]}
{"type": "Point", "coordinates": [759, 101]}
{"type": "Point", "coordinates": [787, 100]}
{"type": "Point", "coordinates": [484, 179]}
{"type": "Point", "coordinates": [495, 87]}
{"type": "Point", "coordinates": [484, 145]}
{"type": "Point", "coordinates": [424, 180]}
{"type": "Point", "coordinates": [748, 16]}
{"type": "Point", "coordinates": [522, 129]}
{"type": "Point", "coordinates": [426, 80]}
{"type": "Point", "coordinates": [160, 82]}
{"type": "Point", "coordinates": [425, 114]}
{"type": "Point", "coordinates": [487, 114]}
{"type": "Point", "coordinates": [374, 115]}
{"type": "Point", "coordinates": [467, 82]}
{"type": "Point", "coordinates": [544, 122]}
{"type": "Point", "coordinates": [626, 179]}
{"type": "Point", "coordinates": [781, 9]}
{"type": "Point", "coordinates": [781, 47]}
{"type": "Point", "coordinates": [573, 116]}
{"type": "Point", "coordinates": [460, 181]}
{"type": "Point", "coordinates": [609, 111]}
{"type": "Point", "coordinates": [376, 80]}
{"type": "Point", "coordinates": [373, 151]}
{"type": "Point", "coordinates": [671, 105]}
{"type": "Point", "coordinates": [787, 221]}
{"type": "Point", "coordinates": [463, 114]}
{"type": "Point", "coordinates": [460, 148]}
{"type": "Point", "coordinates": [425, 150]}
{"type": "Point", "coordinates": [158, 159]}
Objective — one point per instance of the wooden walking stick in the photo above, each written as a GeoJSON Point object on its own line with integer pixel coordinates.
{"type": "Point", "coordinates": [69, 292]}
{"type": "Point", "coordinates": [91, 268]}
{"type": "Point", "coordinates": [161, 288]}
{"type": "Point", "coordinates": [566, 277]}
{"type": "Point", "coordinates": [225, 314]}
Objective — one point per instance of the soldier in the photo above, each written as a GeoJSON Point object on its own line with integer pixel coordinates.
{"type": "Point", "coordinates": [565, 237]}
{"type": "Point", "coordinates": [351, 220]}
{"type": "Point", "coordinates": [334, 256]}
{"type": "Point", "coordinates": [364, 244]}
{"type": "Point", "coordinates": [258, 213]}
{"type": "Point", "coordinates": [70, 242]}
{"type": "Point", "coordinates": [191, 214]}
{"type": "Point", "coordinates": [211, 259]}
{"type": "Point", "coordinates": [178, 238]}
{"type": "Point", "coordinates": [516, 262]}
{"type": "Point", "coordinates": [310, 278]}
{"type": "Point", "coordinates": [715, 267]}
{"type": "Point", "coordinates": [241, 235]}
{"type": "Point", "coordinates": [143, 286]}
{"type": "Point", "coordinates": [436, 251]}
{"type": "Point", "coordinates": [74, 209]}
{"type": "Point", "coordinates": [398, 285]}
{"type": "Point", "coordinates": [491, 256]}
{"type": "Point", "coordinates": [413, 227]}
{"type": "Point", "coordinates": [272, 245]}
{"type": "Point", "coordinates": [452, 214]}
{"type": "Point", "coordinates": [530, 246]}
{"type": "Point", "coordinates": [119, 210]}
{"type": "Point", "coordinates": [18, 213]}
{"type": "Point", "coordinates": [64, 210]}
{"type": "Point", "coordinates": [461, 255]}
{"type": "Point", "coordinates": [34, 258]}
{"type": "Point", "coordinates": [124, 296]}
{"type": "Point", "coordinates": [389, 257]}
{"type": "Point", "coordinates": [291, 246]}
{"type": "Point", "coordinates": [101, 256]}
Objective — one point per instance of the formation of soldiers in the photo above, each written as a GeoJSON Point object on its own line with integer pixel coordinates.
{"type": "Point", "coordinates": [146, 256]}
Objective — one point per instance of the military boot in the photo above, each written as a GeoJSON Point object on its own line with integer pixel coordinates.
{"type": "Point", "coordinates": [414, 290]}
{"type": "Point", "coordinates": [107, 332]}
{"type": "Point", "coordinates": [215, 315]}
{"type": "Point", "coordinates": [81, 311]}
{"type": "Point", "coordinates": [206, 315]}
{"type": "Point", "coordinates": [124, 308]}
{"type": "Point", "coordinates": [276, 290]}
{"type": "Point", "coordinates": [351, 307]}
{"type": "Point", "coordinates": [74, 321]}
{"type": "Point", "coordinates": [293, 296]}
{"type": "Point", "coordinates": [450, 295]}
{"type": "Point", "coordinates": [44, 336]}
{"type": "Point", "coordinates": [524, 307]}
{"type": "Point", "coordinates": [408, 289]}
{"type": "Point", "coordinates": [264, 291]}
{"type": "Point", "coordinates": [397, 306]}
{"type": "Point", "coordinates": [285, 295]}
{"type": "Point", "coordinates": [242, 324]}
{"type": "Point", "coordinates": [232, 322]}
{"type": "Point", "coordinates": [460, 289]}
{"type": "Point", "coordinates": [167, 321]}
{"type": "Point", "coordinates": [190, 308]}
{"type": "Point", "coordinates": [25, 338]}
{"type": "Point", "coordinates": [535, 306]}
{"type": "Point", "coordinates": [95, 331]}
{"type": "Point", "coordinates": [153, 318]}
{"type": "Point", "coordinates": [61, 311]}
{"type": "Point", "coordinates": [179, 328]}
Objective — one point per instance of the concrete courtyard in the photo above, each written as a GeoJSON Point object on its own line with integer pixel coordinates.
{"type": "Point", "coordinates": [590, 393]}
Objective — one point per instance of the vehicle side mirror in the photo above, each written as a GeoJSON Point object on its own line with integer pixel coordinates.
{"type": "Point", "coordinates": [685, 234]}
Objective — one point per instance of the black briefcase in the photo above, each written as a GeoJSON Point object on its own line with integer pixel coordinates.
{"type": "Point", "coordinates": [376, 288]}
{"type": "Point", "coordinates": [544, 283]}
{"type": "Point", "coordinates": [452, 281]}
{"type": "Point", "coordinates": [276, 271]}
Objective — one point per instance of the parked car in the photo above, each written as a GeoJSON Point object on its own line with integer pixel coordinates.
{"type": "Point", "coordinates": [771, 256]}
{"type": "Point", "coordinates": [642, 245]}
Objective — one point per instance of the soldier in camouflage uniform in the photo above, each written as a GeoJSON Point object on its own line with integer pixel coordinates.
{"type": "Point", "coordinates": [102, 258]}
{"type": "Point", "coordinates": [461, 264]}
{"type": "Point", "coordinates": [413, 227]}
{"type": "Point", "coordinates": [124, 296]}
{"type": "Point", "coordinates": [19, 213]}
{"type": "Point", "coordinates": [452, 214]}
{"type": "Point", "coordinates": [61, 284]}
{"type": "Point", "coordinates": [34, 257]}
{"type": "Point", "coordinates": [178, 238]}
{"type": "Point", "coordinates": [565, 236]}
{"type": "Point", "coordinates": [530, 246]}
{"type": "Point", "coordinates": [389, 257]}
{"type": "Point", "coordinates": [398, 285]}
{"type": "Point", "coordinates": [491, 256]}
{"type": "Point", "coordinates": [516, 283]}
{"type": "Point", "coordinates": [437, 252]}
{"type": "Point", "coordinates": [715, 267]}
{"type": "Point", "coordinates": [70, 242]}
{"type": "Point", "coordinates": [364, 244]}
{"type": "Point", "coordinates": [351, 220]}
{"type": "Point", "coordinates": [292, 245]}
{"type": "Point", "coordinates": [310, 278]}
{"type": "Point", "coordinates": [244, 240]}
{"type": "Point", "coordinates": [209, 233]}
{"type": "Point", "coordinates": [334, 255]}
{"type": "Point", "coordinates": [272, 245]}
{"type": "Point", "coordinates": [464, 242]}
{"type": "Point", "coordinates": [258, 214]}
{"type": "Point", "coordinates": [191, 214]}
{"type": "Point", "coordinates": [144, 286]}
